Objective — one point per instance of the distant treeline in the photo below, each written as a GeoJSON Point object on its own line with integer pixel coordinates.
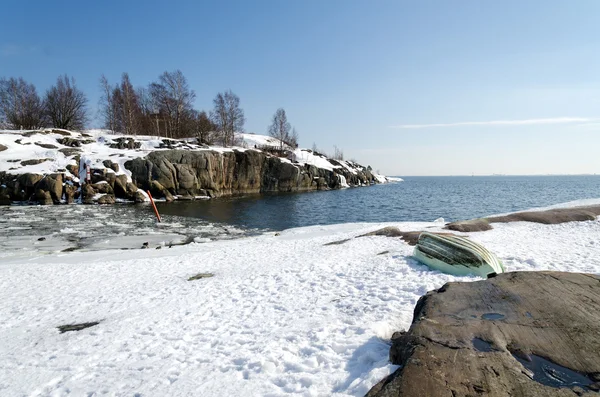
{"type": "Point", "coordinates": [163, 108]}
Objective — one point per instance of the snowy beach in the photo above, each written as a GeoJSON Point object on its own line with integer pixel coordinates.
{"type": "Point", "coordinates": [283, 315]}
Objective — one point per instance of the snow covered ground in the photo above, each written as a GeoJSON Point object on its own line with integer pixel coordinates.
{"type": "Point", "coordinates": [283, 315]}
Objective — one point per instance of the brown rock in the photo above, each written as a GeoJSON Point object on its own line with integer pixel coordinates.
{"type": "Point", "coordinates": [139, 197]}
{"type": "Point", "coordinates": [43, 197]}
{"type": "Point", "coordinates": [3, 148]}
{"type": "Point", "coordinates": [70, 193]}
{"type": "Point", "coordinates": [73, 169]}
{"type": "Point", "coordinates": [68, 151]}
{"type": "Point", "coordinates": [46, 145]}
{"type": "Point", "coordinates": [33, 161]}
{"type": "Point", "coordinates": [52, 184]}
{"type": "Point", "coordinates": [106, 199]}
{"type": "Point", "coordinates": [491, 337]}
{"type": "Point", "coordinates": [87, 193]}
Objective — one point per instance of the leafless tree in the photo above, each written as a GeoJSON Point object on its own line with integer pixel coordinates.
{"type": "Point", "coordinates": [107, 105]}
{"type": "Point", "coordinates": [66, 105]}
{"type": "Point", "coordinates": [280, 127]}
{"type": "Point", "coordinates": [293, 141]}
{"type": "Point", "coordinates": [20, 105]}
{"type": "Point", "coordinates": [148, 118]}
{"type": "Point", "coordinates": [227, 116]}
{"type": "Point", "coordinates": [130, 112]}
{"type": "Point", "coordinates": [174, 98]}
{"type": "Point", "coordinates": [338, 154]}
{"type": "Point", "coordinates": [204, 127]}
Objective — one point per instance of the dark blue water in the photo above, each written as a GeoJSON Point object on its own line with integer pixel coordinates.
{"type": "Point", "coordinates": [415, 199]}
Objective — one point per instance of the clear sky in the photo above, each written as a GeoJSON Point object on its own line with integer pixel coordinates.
{"type": "Point", "coordinates": [409, 87]}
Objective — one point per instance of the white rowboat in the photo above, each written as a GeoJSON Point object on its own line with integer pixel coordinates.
{"type": "Point", "coordinates": [456, 255]}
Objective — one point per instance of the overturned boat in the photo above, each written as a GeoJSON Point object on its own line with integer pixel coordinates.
{"type": "Point", "coordinates": [456, 255]}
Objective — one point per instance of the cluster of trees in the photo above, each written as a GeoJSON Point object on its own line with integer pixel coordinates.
{"type": "Point", "coordinates": [163, 108]}
{"type": "Point", "coordinates": [62, 106]}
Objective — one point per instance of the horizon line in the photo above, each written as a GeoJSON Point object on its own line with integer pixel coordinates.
{"type": "Point", "coordinates": [554, 120]}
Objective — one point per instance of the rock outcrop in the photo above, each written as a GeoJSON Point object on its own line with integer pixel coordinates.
{"type": "Point", "coordinates": [518, 334]}
{"type": "Point", "coordinates": [548, 217]}
{"type": "Point", "coordinates": [177, 169]}
{"type": "Point", "coordinates": [206, 172]}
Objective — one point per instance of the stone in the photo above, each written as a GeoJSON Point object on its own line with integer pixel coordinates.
{"type": "Point", "coordinates": [120, 186]}
{"type": "Point", "coordinates": [68, 152]}
{"type": "Point", "coordinates": [73, 169]}
{"type": "Point", "coordinates": [76, 327]}
{"type": "Point", "coordinates": [4, 196]}
{"type": "Point", "coordinates": [33, 161]}
{"type": "Point", "coordinates": [125, 143]}
{"type": "Point", "coordinates": [61, 132]}
{"type": "Point", "coordinates": [53, 184]}
{"type": "Point", "coordinates": [475, 225]}
{"type": "Point", "coordinates": [548, 217]}
{"type": "Point", "coordinates": [109, 164]}
{"type": "Point", "coordinates": [200, 276]}
{"type": "Point", "coordinates": [43, 197]}
{"type": "Point", "coordinates": [87, 193]}
{"type": "Point", "coordinates": [71, 142]}
{"type": "Point", "coordinates": [3, 148]}
{"type": "Point", "coordinates": [106, 199]}
{"type": "Point", "coordinates": [492, 337]}
{"type": "Point", "coordinates": [139, 197]}
{"type": "Point", "coordinates": [46, 145]}
{"type": "Point", "coordinates": [71, 193]}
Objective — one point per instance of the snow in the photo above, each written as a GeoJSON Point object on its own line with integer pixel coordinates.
{"type": "Point", "coordinates": [99, 150]}
{"type": "Point", "coordinates": [283, 315]}
{"type": "Point", "coordinates": [252, 140]}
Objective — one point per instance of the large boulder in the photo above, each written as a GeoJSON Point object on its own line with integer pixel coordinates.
{"type": "Point", "coordinates": [53, 184]}
{"type": "Point", "coordinates": [88, 193]}
{"type": "Point", "coordinates": [518, 334]}
{"type": "Point", "coordinates": [4, 195]}
{"type": "Point", "coordinates": [106, 199]}
{"type": "Point", "coordinates": [71, 193]}
{"type": "Point", "coordinates": [23, 186]}
{"type": "Point", "coordinates": [43, 197]}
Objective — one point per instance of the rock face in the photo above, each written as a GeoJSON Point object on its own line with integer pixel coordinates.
{"type": "Point", "coordinates": [548, 217]}
{"type": "Point", "coordinates": [184, 172]}
{"type": "Point", "coordinates": [518, 334]}
{"type": "Point", "coordinates": [206, 172]}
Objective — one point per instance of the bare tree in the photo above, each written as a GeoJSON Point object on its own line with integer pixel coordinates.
{"type": "Point", "coordinates": [20, 105]}
{"type": "Point", "coordinates": [66, 105]}
{"type": "Point", "coordinates": [148, 117]}
{"type": "Point", "coordinates": [227, 116]}
{"type": "Point", "coordinates": [338, 154]}
{"type": "Point", "coordinates": [204, 127]}
{"type": "Point", "coordinates": [293, 141]}
{"type": "Point", "coordinates": [107, 104]}
{"type": "Point", "coordinates": [280, 128]}
{"type": "Point", "coordinates": [174, 98]}
{"type": "Point", "coordinates": [130, 112]}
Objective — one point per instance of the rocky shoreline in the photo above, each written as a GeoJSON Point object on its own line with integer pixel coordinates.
{"type": "Point", "coordinates": [49, 167]}
{"type": "Point", "coordinates": [518, 334]}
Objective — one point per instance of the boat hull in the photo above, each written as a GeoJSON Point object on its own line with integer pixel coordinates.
{"type": "Point", "coordinates": [456, 255]}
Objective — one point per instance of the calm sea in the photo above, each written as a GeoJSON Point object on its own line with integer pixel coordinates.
{"type": "Point", "coordinates": [94, 227]}
{"type": "Point", "coordinates": [415, 199]}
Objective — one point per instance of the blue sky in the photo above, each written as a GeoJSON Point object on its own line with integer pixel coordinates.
{"type": "Point", "coordinates": [412, 88]}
